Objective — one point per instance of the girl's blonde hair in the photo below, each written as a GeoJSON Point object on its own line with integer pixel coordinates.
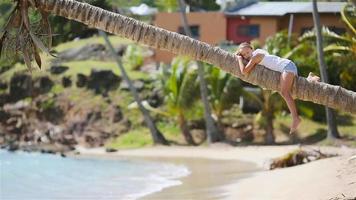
{"type": "Point", "coordinates": [242, 45]}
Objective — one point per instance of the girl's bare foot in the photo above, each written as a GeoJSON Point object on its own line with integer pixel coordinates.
{"type": "Point", "coordinates": [295, 124]}
{"type": "Point", "coordinates": [313, 78]}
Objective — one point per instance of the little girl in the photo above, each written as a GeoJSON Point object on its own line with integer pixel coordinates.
{"type": "Point", "coordinates": [286, 67]}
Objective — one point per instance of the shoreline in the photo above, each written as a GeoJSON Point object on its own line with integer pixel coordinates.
{"type": "Point", "coordinates": [315, 179]}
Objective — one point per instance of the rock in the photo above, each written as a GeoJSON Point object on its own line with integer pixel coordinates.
{"type": "Point", "coordinates": [110, 150]}
{"type": "Point", "coordinates": [150, 68]}
{"type": "Point", "coordinates": [86, 52]}
{"type": "Point", "coordinates": [155, 98]}
{"type": "Point", "coordinates": [243, 133]}
{"type": "Point", "coordinates": [101, 81]}
{"type": "Point", "coordinates": [196, 124]}
{"type": "Point", "coordinates": [4, 69]}
{"type": "Point", "coordinates": [120, 50]}
{"type": "Point", "coordinates": [199, 135]}
{"type": "Point", "coordinates": [53, 114]}
{"type": "Point", "coordinates": [3, 85]}
{"type": "Point", "coordinates": [4, 116]}
{"type": "Point", "coordinates": [4, 98]}
{"type": "Point", "coordinates": [93, 116]}
{"type": "Point", "coordinates": [2, 140]}
{"type": "Point", "coordinates": [13, 146]}
{"type": "Point", "coordinates": [58, 69]}
{"type": "Point", "coordinates": [66, 82]}
{"type": "Point", "coordinates": [115, 114]}
{"type": "Point", "coordinates": [20, 105]}
{"type": "Point", "coordinates": [20, 87]}
{"type": "Point", "coordinates": [139, 85]}
{"type": "Point", "coordinates": [81, 80]}
{"type": "Point", "coordinates": [42, 85]}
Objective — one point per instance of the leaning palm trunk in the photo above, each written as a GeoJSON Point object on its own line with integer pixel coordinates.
{"type": "Point", "coordinates": [330, 114]}
{"type": "Point", "coordinates": [213, 133]}
{"type": "Point", "coordinates": [157, 136]}
{"type": "Point", "coordinates": [185, 129]}
{"type": "Point", "coordinates": [142, 33]}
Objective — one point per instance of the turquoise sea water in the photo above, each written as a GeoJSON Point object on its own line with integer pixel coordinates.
{"type": "Point", "coordinates": [35, 176]}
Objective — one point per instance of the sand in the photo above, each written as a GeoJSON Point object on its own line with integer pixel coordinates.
{"type": "Point", "coordinates": [225, 172]}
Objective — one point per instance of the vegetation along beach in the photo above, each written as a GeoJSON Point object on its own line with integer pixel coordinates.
{"type": "Point", "coordinates": [177, 99]}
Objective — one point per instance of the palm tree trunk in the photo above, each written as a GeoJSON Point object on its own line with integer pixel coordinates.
{"type": "Point", "coordinates": [269, 138]}
{"type": "Point", "coordinates": [268, 114]}
{"type": "Point", "coordinates": [214, 135]}
{"type": "Point", "coordinates": [330, 114]}
{"type": "Point", "coordinates": [142, 33]}
{"type": "Point", "coordinates": [157, 136]}
{"type": "Point", "coordinates": [185, 129]}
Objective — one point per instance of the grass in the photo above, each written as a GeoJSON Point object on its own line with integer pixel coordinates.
{"type": "Point", "coordinates": [141, 137]}
{"type": "Point", "coordinates": [115, 40]}
{"type": "Point", "coordinates": [309, 132]}
{"type": "Point", "coordinates": [136, 138]}
{"type": "Point", "coordinates": [85, 67]}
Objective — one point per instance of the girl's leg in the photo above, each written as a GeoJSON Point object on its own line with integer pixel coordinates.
{"type": "Point", "coordinates": [286, 85]}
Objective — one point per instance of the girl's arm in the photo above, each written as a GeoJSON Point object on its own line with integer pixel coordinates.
{"type": "Point", "coordinates": [245, 70]}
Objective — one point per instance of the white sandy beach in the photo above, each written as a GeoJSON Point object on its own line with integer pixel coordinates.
{"type": "Point", "coordinates": [331, 178]}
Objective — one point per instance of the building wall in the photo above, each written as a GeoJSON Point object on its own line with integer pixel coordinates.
{"type": "Point", "coordinates": [271, 25]}
{"type": "Point", "coordinates": [216, 27]}
{"type": "Point", "coordinates": [302, 21]}
{"type": "Point", "coordinates": [212, 28]}
{"type": "Point", "coordinates": [268, 27]}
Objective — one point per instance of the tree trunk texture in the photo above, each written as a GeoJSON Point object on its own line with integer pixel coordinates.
{"type": "Point", "coordinates": [330, 114]}
{"type": "Point", "coordinates": [142, 33]}
{"type": "Point", "coordinates": [185, 129]}
{"type": "Point", "coordinates": [213, 133]}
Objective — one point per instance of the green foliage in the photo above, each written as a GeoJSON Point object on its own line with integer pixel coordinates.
{"type": "Point", "coordinates": [203, 4]}
{"type": "Point", "coordinates": [133, 57]}
{"type": "Point", "coordinates": [167, 5]}
{"type": "Point", "coordinates": [128, 3]}
{"type": "Point", "coordinates": [133, 139]}
{"type": "Point", "coordinates": [271, 104]}
{"type": "Point", "coordinates": [348, 15]}
{"type": "Point", "coordinates": [180, 84]}
{"type": "Point", "coordinates": [340, 53]}
{"type": "Point", "coordinates": [70, 29]}
{"type": "Point", "coordinates": [5, 9]}
{"type": "Point", "coordinates": [278, 44]}
{"type": "Point", "coordinates": [140, 136]}
{"type": "Point", "coordinates": [224, 89]}
{"type": "Point", "coordinates": [48, 104]}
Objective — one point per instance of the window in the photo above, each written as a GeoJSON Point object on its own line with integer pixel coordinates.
{"type": "Point", "coordinates": [194, 29]}
{"type": "Point", "coordinates": [251, 30]}
{"type": "Point", "coordinates": [337, 30]}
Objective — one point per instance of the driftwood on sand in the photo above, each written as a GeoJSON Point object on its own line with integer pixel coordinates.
{"type": "Point", "coordinates": [298, 157]}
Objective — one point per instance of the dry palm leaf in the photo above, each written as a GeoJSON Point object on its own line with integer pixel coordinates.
{"type": "Point", "coordinates": [21, 36]}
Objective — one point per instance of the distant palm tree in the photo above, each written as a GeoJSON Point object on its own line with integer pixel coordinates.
{"type": "Point", "coordinates": [157, 136]}
{"type": "Point", "coordinates": [330, 114]}
{"type": "Point", "coordinates": [181, 88]}
{"type": "Point", "coordinates": [213, 133]}
{"type": "Point", "coordinates": [224, 91]}
{"type": "Point", "coordinates": [331, 96]}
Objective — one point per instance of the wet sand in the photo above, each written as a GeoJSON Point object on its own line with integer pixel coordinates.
{"type": "Point", "coordinates": [225, 172]}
